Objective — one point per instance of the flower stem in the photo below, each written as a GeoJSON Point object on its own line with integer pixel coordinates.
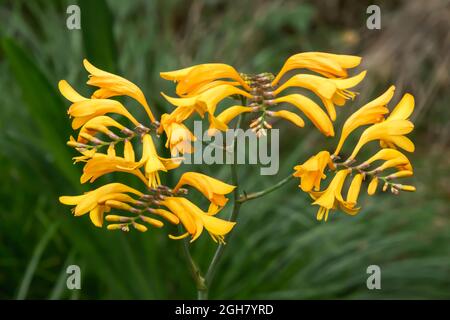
{"type": "Point", "coordinates": [234, 213]}
{"type": "Point", "coordinates": [202, 289]}
{"type": "Point", "coordinates": [246, 197]}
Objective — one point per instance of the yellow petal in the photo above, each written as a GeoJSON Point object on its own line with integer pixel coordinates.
{"type": "Point", "coordinates": [176, 75]}
{"type": "Point", "coordinates": [96, 216]}
{"type": "Point", "coordinates": [372, 186]}
{"type": "Point", "coordinates": [403, 109]}
{"type": "Point", "coordinates": [311, 110]}
{"type": "Point", "coordinates": [288, 115]}
{"type": "Point", "coordinates": [206, 73]}
{"type": "Point", "coordinates": [68, 92]}
{"type": "Point", "coordinates": [128, 151]}
{"type": "Point", "coordinates": [230, 113]}
{"type": "Point", "coordinates": [383, 131]}
{"type": "Point", "coordinates": [355, 187]}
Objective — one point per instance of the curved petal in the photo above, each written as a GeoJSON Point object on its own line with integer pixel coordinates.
{"type": "Point", "coordinates": [318, 117]}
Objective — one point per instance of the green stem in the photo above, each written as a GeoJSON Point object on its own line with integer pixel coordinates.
{"type": "Point", "coordinates": [202, 290]}
{"type": "Point", "coordinates": [246, 197]}
{"type": "Point", "coordinates": [234, 213]}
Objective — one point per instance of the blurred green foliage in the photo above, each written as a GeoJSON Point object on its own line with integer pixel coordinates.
{"type": "Point", "coordinates": [278, 249]}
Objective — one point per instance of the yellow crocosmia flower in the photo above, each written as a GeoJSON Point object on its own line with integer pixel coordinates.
{"type": "Point", "coordinates": [372, 186]}
{"type": "Point", "coordinates": [102, 164]}
{"type": "Point", "coordinates": [208, 100]}
{"type": "Point", "coordinates": [330, 91]}
{"type": "Point", "coordinates": [401, 112]}
{"type": "Point", "coordinates": [370, 113]}
{"type": "Point", "coordinates": [185, 107]}
{"type": "Point", "coordinates": [354, 189]}
{"type": "Point", "coordinates": [388, 130]}
{"type": "Point", "coordinates": [153, 163]}
{"type": "Point", "coordinates": [193, 78]}
{"type": "Point", "coordinates": [83, 111]}
{"type": "Point", "coordinates": [288, 115]}
{"type": "Point", "coordinates": [213, 189]}
{"type": "Point", "coordinates": [387, 155]}
{"type": "Point", "coordinates": [194, 220]}
{"type": "Point", "coordinates": [331, 198]}
{"type": "Point", "coordinates": [112, 85]}
{"type": "Point", "coordinates": [99, 124]}
{"type": "Point", "coordinates": [317, 116]}
{"type": "Point", "coordinates": [393, 163]}
{"type": "Point", "coordinates": [179, 137]}
{"type": "Point", "coordinates": [327, 64]}
{"type": "Point", "coordinates": [311, 171]}
{"type": "Point", "coordinates": [90, 201]}
{"type": "Point", "coordinates": [403, 109]}
{"type": "Point", "coordinates": [221, 121]}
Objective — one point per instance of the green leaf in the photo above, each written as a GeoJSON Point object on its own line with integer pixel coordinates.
{"type": "Point", "coordinates": [98, 38]}
{"type": "Point", "coordinates": [45, 106]}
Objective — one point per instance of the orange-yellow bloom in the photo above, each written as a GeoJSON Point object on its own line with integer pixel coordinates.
{"type": "Point", "coordinates": [327, 64]}
{"type": "Point", "coordinates": [94, 201]}
{"type": "Point", "coordinates": [112, 85]}
{"type": "Point", "coordinates": [83, 109]}
{"type": "Point", "coordinates": [401, 112]}
{"type": "Point", "coordinates": [179, 137]}
{"type": "Point", "coordinates": [370, 113]}
{"type": "Point", "coordinates": [317, 116]}
{"type": "Point", "coordinates": [214, 190]}
{"type": "Point", "coordinates": [195, 220]}
{"type": "Point", "coordinates": [200, 77]}
{"type": "Point", "coordinates": [311, 171]}
{"type": "Point", "coordinates": [330, 91]}
{"type": "Point", "coordinates": [331, 198]}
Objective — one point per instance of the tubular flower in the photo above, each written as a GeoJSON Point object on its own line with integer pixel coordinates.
{"type": "Point", "coordinates": [100, 164]}
{"type": "Point", "coordinates": [83, 109]}
{"type": "Point", "coordinates": [194, 220]}
{"type": "Point", "coordinates": [383, 167]}
{"type": "Point", "coordinates": [203, 87]}
{"type": "Point", "coordinates": [311, 171]}
{"type": "Point", "coordinates": [111, 85]}
{"type": "Point", "coordinates": [214, 190]}
{"type": "Point", "coordinates": [179, 137]}
{"type": "Point", "coordinates": [390, 130]}
{"type": "Point", "coordinates": [96, 202]}
{"type": "Point", "coordinates": [139, 209]}
{"type": "Point", "coordinates": [196, 78]}
{"type": "Point", "coordinates": [401, 112]}
{"type": "Point", "coordinates": [331, 198]}
{"type": "Point", "coordinates": [99, 124]}
{"type": "Point", "coordinates": [330, 91]}
{"type": "Point", "coordinates": [153, 163]}
{"type": "Point", "coordinates": [327, 64]}
{"type": "Point", "coordinates": [370, 113]}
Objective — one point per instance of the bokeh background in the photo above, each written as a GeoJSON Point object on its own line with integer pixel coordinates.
{"type": "Point", "coordinates": [278, 249]}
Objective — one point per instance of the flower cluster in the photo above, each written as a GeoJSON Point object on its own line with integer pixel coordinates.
{"type": "Point", "coordinates": [385, 165]}
{"type": "Point", "coordinates": [202, 87]}
{"type": "Point", "coordinates": [99, 134]}
{"type": "Point", "coordinates": [200, 90]}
